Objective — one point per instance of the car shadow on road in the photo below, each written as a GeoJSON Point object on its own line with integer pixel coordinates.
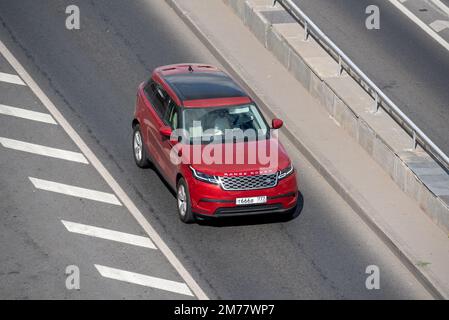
{"type": "Point", "coordinates": [254, 220]}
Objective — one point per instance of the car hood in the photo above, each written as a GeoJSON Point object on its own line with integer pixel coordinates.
{"type": "Point", "coordinates": [246, 158]}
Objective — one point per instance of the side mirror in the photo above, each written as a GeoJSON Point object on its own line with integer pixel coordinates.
{"type": "Point", "coordinates": [165, 131]}
{"type": "Point", "coordinates": [276, 124]}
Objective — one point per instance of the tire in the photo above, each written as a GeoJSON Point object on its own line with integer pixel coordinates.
{"type": "Point", "coordinates": [139, 152]}
{"type": "Point", "coordinates": [183, 202]}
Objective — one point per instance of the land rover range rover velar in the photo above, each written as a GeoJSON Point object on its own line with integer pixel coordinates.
{"type": "Point", "coordinates": [212, 145]}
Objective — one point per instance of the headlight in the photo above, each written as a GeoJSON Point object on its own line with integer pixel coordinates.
{"type": "Point", "coordinates": [285, 172]}
{"type": "Point", "coordinates": [204, 177]}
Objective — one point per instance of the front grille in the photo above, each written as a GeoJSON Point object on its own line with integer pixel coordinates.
{"type": "Point", "coordinates": [249, 182]}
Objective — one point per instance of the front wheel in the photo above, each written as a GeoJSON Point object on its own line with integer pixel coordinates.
{"type": "Point", "coordinates": [183, 198]}
{"type": "Point", "coordinates": [140, 155]}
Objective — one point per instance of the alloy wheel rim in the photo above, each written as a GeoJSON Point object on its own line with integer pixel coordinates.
{"type": "Point", "coordinates": [182, 201]}
{"type": "Point", "coordinates": [138, 146]}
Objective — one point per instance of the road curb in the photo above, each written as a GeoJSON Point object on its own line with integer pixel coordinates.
{"type": "Point", "coordinates": [357, 202]}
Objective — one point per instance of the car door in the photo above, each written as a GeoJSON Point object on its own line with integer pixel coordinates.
{"type": "Point", "coordinates": [153, 121]}
{"type": "Point", "coordinates": [172, 120]}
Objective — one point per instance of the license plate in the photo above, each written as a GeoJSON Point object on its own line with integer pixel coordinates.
{"type": "Point", "coordinates": [253, 200]}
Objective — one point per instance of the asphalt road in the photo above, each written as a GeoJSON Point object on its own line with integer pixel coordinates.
{"type": "Point", "coordinates": [43, 231]}
{"type": "Point", "coordinates": [403, 60]}
{"type": "Point", "coordinates": [92, 75]}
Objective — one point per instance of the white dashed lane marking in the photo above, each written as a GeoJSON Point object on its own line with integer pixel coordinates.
{"type": "Point", "coordinates": [144, 280]}
{"type": "Point", "coordinates": [75, 191]}
{"type": "Point", "coordinates": [109, 234]}
{"type": "Point", "coordinates": [190, 287]}
{"type": "Point", "coordinates": [26, 114]}
{"type": "Point", "coordinates": [43, 151]}
{"type": "Point", "coordinates": [440, 25]}
{"type": "Point", "coordinates": [11, 78]}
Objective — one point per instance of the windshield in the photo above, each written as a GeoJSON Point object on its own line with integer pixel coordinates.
{"type": "Point", "coordinates": [225, 124]}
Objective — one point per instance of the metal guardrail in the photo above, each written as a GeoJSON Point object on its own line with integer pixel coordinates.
{"type": "Point", "coordinates": [381, 99]}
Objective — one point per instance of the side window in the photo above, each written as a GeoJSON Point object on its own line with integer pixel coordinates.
{"type": "Point", "coordinates": [172, 116]}
{"type": "Point", "coordinates": [157, 96]}
{"type": "Point", "coordinates": [149, 90]}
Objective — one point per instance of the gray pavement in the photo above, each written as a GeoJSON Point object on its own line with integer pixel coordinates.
{"type": "Point", "coordinates": [91, 75]}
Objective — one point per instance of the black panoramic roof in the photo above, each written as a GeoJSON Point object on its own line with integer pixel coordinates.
{"type": "Point", "coordinates": [205, 85]}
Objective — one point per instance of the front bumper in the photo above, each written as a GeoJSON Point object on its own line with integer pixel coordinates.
{"type": "Point", "coordinates": [239, 211]}
{"type": "Point", "coordinates": [210, 200]}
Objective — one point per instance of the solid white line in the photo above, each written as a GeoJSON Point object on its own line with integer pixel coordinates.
{"type": "Point", "coordinates": [144, 280]}
{"type": "Point", "coordinates": [75, 191]}
{"type": "Point", "coordinates": [168, 253]}
{"type": "Point", "coordinates": [26, 114]}
{"type": "Point", "coordinates": [109, 234]}
{"type": "Point", "coordinates": [421, 24]}
{"type": "Point", "coordinates": [11, 78]}
{"type": "Point", "coordinates": [43, 151]}
{"type": "Point", "coordinates": [441, 6]}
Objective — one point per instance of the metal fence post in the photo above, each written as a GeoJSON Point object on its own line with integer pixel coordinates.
{"type": "Point", "coordinates": [306, 31]}
{"type": "Point", "coordinates": [376, 101]}
{"type": "Point", "coordinates": [414, 140]}
{"type": "Point", "coordinates": [340, 66]}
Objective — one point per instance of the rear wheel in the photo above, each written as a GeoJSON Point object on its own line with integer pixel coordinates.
{"type": "Point", "coordinates": [183, 200]}
{"type": "Point", "coordinates": [140, 155]}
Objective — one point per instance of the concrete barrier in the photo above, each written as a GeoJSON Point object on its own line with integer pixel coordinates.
{"type": "Point", "coordinates": [353, 108]}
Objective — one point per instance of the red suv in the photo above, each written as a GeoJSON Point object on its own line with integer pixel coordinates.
{"type": "Point", "coordinates": [212, 145]}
